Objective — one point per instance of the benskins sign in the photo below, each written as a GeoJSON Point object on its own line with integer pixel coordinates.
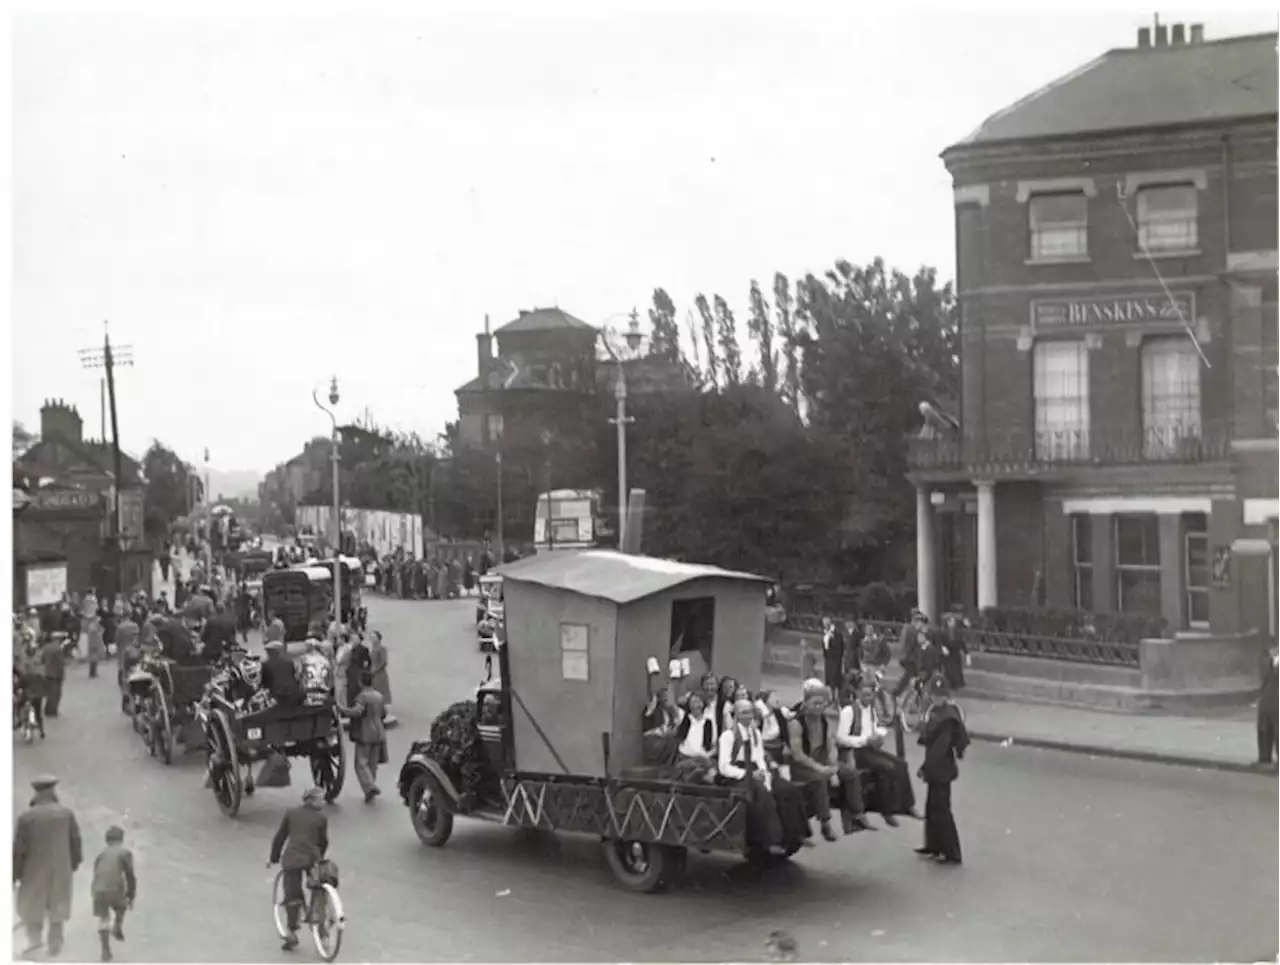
{"type": "Point", "coordinates": [1113, 310]}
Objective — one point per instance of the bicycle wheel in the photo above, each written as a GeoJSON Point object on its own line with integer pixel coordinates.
{"type": "Point", "coordinates": [913, 710]}
{"type": "Point", "coordinates": [278, 913]}
{"type": "Point", "coordinates": [327, 921]}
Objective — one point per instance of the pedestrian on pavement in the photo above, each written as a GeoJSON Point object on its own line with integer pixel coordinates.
{"type": "Point", "coordinates": [54, 663]}
{"type": "Point", "coordinates": [909, 653]}
{"type": "Point", "coordinates": [944, 739]}
{"type": "Point", "coordinates": [113, 890]}
{"type": "Point", "coordinates": [46, 854]}
{"type": "Point", "coordinates": [378, 668]}
{"type": "Point", "coordinates": [97, 649]}
{"type": "Point", "coordinates": [1267, 724]}
{"type": "Point", "coordinates": [368, 735]}
{"type": "Point", "coordinates": [301, 841]}
{"type": "Point", "coordinates": [955, 648]}
{"type": "Point", "coordinates": [833, 643]}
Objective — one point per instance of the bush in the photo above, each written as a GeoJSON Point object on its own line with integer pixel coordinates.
{"type": "Point", "coordinates": [1071, 624]}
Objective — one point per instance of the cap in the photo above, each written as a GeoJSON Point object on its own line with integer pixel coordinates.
{"type": "Point", "coordinates": [312, 794]}
{"type": "Point", "coordinates": [44, 782]}
{"type": "Point", "coordinates": [938, 686]}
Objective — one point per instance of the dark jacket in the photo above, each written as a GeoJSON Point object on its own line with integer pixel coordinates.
{"type": "Point", "coordinates": [910, 642]}
{"type": "Point", "coordinates": [1267, 698]}
{"type": "Point", "coordinates": [280, 678]}
{"type": "Point", "coordinates": [302, 840]}
{"type": "Point", "coordinates": [113, 876]}
{"type": "Point", "coordinates": [944, 739]}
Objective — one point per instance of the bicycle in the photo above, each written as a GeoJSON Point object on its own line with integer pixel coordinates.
{"type": "Point", "coordinates": [323, 906]}
{"type": "Point", "coordinates": [914, 704]}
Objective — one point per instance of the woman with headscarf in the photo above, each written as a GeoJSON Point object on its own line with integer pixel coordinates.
{"type": "Point", "coordinates": [378, 668]}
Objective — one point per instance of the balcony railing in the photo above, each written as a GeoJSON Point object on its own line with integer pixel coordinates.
{"type": "Point", "coordinates": [1045, 450]}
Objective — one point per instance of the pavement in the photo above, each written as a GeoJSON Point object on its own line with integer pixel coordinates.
{"type": "Point", "coordinates": [1225, 741]}
{"type": "Point", "coordinates": [1067, 858]}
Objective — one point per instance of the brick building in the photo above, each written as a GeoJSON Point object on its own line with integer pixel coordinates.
{"type": "Point", "coordinates": [64, 513]}
{"type": "Point", "coordinates": [1111, 229]}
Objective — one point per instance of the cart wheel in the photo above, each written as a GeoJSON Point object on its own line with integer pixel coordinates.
{"type": "Point", "coordinates": [638, 865]}
{"type": "Point", "coordinates": [329, 763]}
{"type": "Point", "coordinates": [223, 764]}
{"type": "Point", "coordinates": [161, 725]}
{"type": "Point", "coordinates": [432, 822]}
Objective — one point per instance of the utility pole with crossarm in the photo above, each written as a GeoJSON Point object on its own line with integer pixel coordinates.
{"type": "Point", "coordinates": [108, 358]}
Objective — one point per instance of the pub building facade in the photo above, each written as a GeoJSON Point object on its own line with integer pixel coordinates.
{"type": "Point", "coordinates": [1115, 448]}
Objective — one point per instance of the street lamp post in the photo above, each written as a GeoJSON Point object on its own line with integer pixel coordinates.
{"type": "Point", "coordinates": [337, 505]}
{"type": "Point", "coordinates": [621, 420]}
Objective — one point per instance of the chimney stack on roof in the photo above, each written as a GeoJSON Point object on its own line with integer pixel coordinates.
{"type": "Point", "coordinates": [1197, 33]}
{"type": "Point", "coordinates": [1162, 35]}
{"type": "Point", "coordinates": [1144, 37]}
{"type": "Point", "coordinates": [1179, 35]}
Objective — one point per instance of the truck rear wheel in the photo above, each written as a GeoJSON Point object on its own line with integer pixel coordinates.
{"type": "Point", "coordinates": [638, 865]}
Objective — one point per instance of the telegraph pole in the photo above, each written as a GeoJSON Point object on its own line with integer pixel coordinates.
{"type": "Point", "coordinates": [107, 359]}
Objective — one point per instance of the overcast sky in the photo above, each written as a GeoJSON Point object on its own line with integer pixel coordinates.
{"type": "Point", "coordinates": [256, 204]}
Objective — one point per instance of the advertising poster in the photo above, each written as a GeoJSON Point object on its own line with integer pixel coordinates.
{"type": "Point", "coordinates": [46, 584]}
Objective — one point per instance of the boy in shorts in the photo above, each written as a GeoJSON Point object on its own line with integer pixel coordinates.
{"type": "Point", "coordinates": [114, 888]}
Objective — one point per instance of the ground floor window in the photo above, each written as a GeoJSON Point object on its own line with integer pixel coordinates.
{"type": "Point", "coordinates": [1137, 549]}
{"type": "Point", "coordinates": [1196, 569]}
{"type": "Point", "coordinates": [1082, 561]}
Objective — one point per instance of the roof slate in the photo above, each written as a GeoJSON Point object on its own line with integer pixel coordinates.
{"type": "Point", "coordinates": [1135, 88]}
{"type": "Point", "coordinates": [618, 577]}
{"type": "Point", "coordinates": [544, 320]}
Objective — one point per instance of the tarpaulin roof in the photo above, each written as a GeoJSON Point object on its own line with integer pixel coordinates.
{"type": "Point", "coordinates": [613, 576]}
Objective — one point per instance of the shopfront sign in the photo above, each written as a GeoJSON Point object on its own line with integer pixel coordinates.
{"type": "Point", "coordinates": [53, 500]}
{"type": "Point", "coordinates": [1103, 311]}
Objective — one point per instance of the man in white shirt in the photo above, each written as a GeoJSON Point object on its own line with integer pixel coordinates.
{"type": "Point", "coordinates": [776, 813]}
{"type": "Point", "coordinates": [860, 735]}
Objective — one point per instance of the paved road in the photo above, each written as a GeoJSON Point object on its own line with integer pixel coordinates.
{"type": "Point", "coordinates": [1067, 858]}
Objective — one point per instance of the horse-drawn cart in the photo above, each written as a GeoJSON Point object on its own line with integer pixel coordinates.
{"type": "Point", "coordinates": [166, 697]}
{"type": "Point", "coordinates": [582, 632]}
{"type": "Point", "coordinates": [237, 740]}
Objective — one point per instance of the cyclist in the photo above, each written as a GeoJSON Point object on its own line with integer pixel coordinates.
{"type": "Point", "coordinates": [302, 840]}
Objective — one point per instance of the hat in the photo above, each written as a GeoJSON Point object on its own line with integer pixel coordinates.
{"type": "Point", "coordinates": [44, 782]}
{"type": "Point", "coordinates": [813, 687]}
{"type": "Point", "coordinates": [274, 645]}
{"type": "Point", "coordinates": [938, 686]}
{"type": "Point", "coordinates": [312, 794]}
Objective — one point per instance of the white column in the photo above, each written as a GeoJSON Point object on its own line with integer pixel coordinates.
{"type": "Point", "coordinates": [926, 552]}
{"type": "Point", "coordinates": [986, 544]}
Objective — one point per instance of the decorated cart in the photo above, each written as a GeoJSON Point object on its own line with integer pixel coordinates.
{"type": "Point", "coordinates": [244, 726]}
{"type": "Point", "coordinates": [581, 631]}
{"type": "Point", "coordinates": [297, 597]}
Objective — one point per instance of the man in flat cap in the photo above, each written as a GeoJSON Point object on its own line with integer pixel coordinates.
{"type": "Point", "coordinates": [301, 841]}
{"type": "Point", "coordinates": [46, 853]}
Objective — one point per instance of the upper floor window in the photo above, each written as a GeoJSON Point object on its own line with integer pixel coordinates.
{"type": "Point", "coordinates": [1170, 395]}
{"type": "Point", "coordinates": [495, 428]}
{"type": "Point", "coordinates": [1060, 383]}
{"type": "Point", "coordinates": [1167, 217]}
{"type": "Point", "coordinates": [1059, 226]}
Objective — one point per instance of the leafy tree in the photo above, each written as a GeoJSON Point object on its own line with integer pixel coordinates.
{"type": "Point", "coordinates": [727, 340]}
{"type": "Point", "coordinates": [709, 340]}
{"type": "Point", "coordinates": [23, 439]}
{"type": "Point", "coordinates": [790, 346]}
{"type": "Point", "coordinates": [760, 328]}
{"type": "Point", "coordinates": [173, 487]}
{"type": "Point", "coordinates": [665, 337]}
{"type": "Point", "coordinates": [877, 343]}
{"type": "Point", "coordinates": [691, 328]}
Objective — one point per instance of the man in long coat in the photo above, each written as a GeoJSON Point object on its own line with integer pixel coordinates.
{"type": "Point", "coordinates": [46, 853]}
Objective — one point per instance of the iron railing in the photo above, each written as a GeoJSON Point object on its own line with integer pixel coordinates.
{"type": "Point", "coordinates": [1116, 653]}
{"type": "Point", "coordinates": [1047, 450]}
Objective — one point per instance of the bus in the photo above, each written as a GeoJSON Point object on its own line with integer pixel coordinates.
{"type": "Point", "coordinates": [569, 519]}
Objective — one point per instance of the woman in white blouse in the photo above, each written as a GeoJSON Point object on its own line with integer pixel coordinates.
{"type": "Point", "coordinates": [696, 736]}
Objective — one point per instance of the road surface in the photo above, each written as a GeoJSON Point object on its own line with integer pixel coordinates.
{"type": "Point", "coordinates": [1067, 858]}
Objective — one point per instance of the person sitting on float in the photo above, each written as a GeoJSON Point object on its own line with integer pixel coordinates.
{"type": "Point", "coordinates": [723, 703]}
{"type": "Point", "coordinates": [860, 734]}
{"type": "Point", "coordinates": [280, 676]}
{"type": "Point", "coordinates": [774, 722]}
{"type": "Point", "coordinates": [775, 812]}
{"type": "Point", "coordinates": [815, 763]}
{"type": "Point", "coordinates": [696, 736]}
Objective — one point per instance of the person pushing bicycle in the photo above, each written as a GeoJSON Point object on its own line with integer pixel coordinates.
{"type": "Point", "coordinates": [301, 841]}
